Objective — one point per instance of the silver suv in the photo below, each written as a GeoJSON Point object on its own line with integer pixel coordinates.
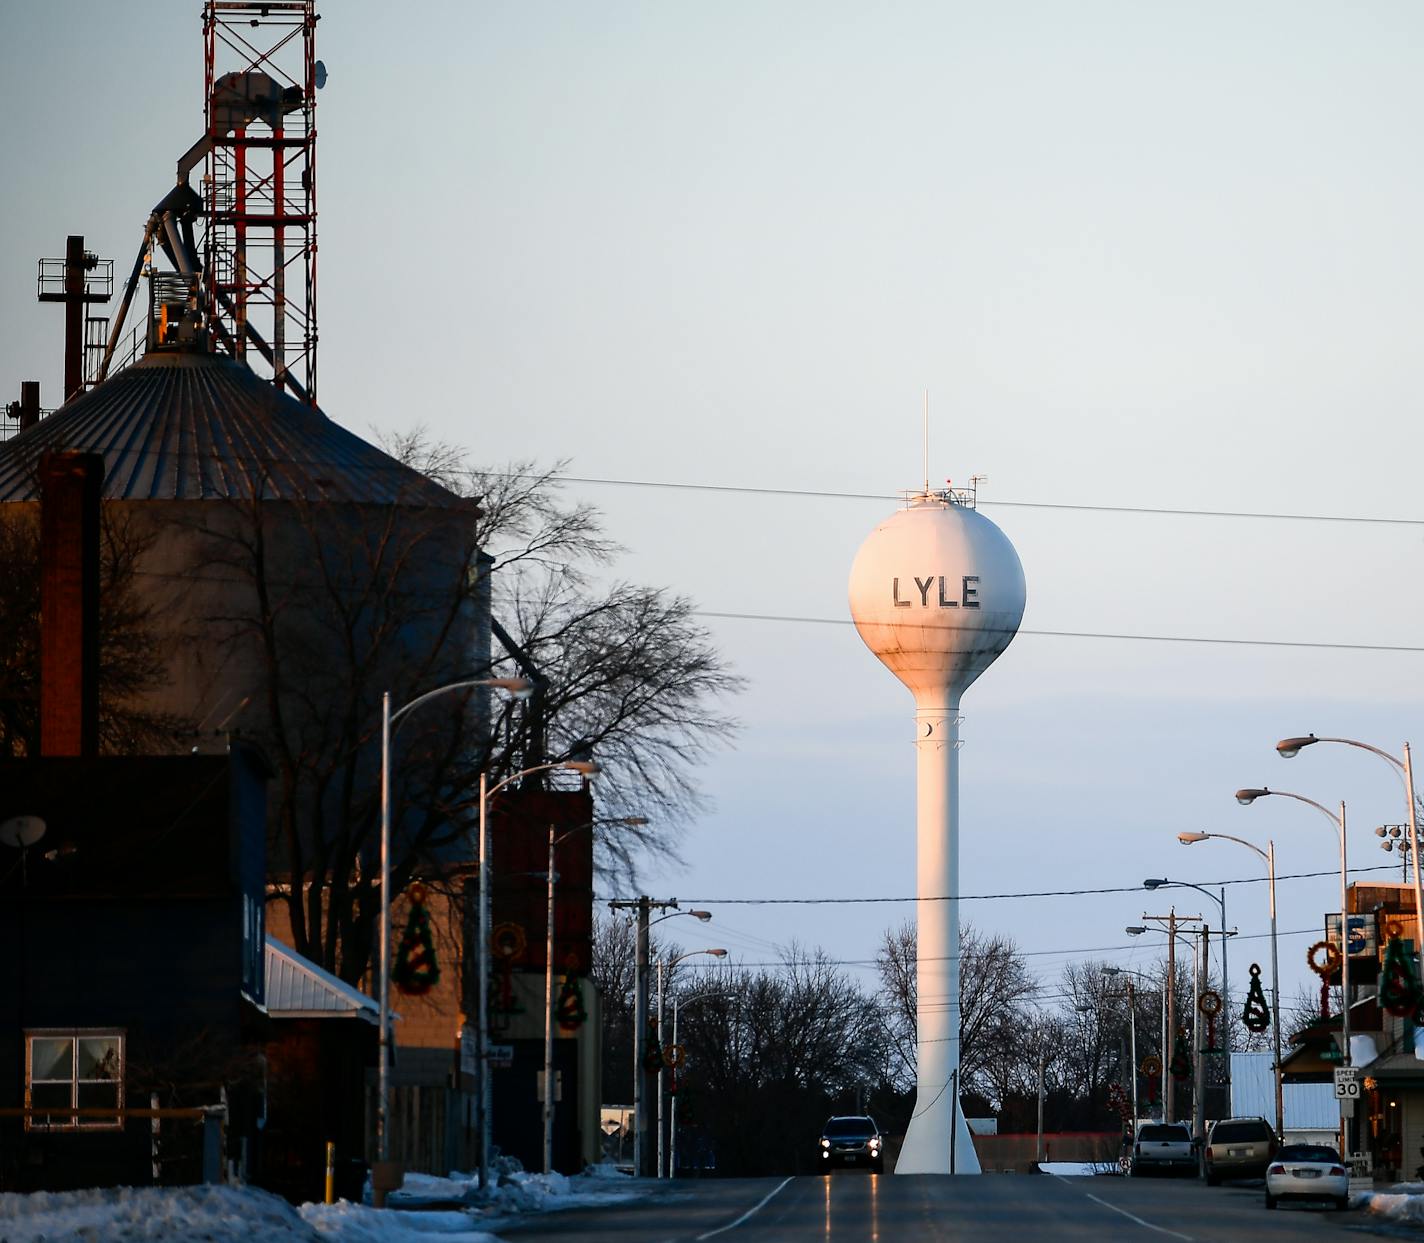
{"type": "Point", "coordinates": [1238, 1148]}
{"type": "Point", "coordinates": [1163, 1146]}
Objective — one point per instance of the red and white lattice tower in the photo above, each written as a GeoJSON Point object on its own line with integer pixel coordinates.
{"type": "Point", "coordinates": [259, 186]}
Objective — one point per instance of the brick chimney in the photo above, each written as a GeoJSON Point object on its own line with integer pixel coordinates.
{"type": "Point", "coordinates": [70, 487]}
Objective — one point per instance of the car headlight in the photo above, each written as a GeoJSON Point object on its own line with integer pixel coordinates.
{"type": "Point", "coordinates": [875, 1143]}
{"type": "Point", "coordinates": [825, 1143]}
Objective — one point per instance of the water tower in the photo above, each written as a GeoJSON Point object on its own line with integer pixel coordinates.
{"type": "Point", "coordinates": [937, 592]}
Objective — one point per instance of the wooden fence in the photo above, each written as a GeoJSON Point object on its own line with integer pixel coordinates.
{"type": "Point", "coordinates": [432, 1129]}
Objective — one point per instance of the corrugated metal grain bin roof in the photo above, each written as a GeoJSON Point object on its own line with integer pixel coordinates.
{"type": "Point", "coordinates": [187, 426]}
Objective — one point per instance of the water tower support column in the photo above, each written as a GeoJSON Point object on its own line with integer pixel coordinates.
{"type": "Point", "coordinates": [927, 1142]}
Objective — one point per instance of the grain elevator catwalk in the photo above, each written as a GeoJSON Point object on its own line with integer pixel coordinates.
{"type": "Point", "coordinates": [937, 593]}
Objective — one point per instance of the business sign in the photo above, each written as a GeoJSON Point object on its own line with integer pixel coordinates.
{"type": "Point", "coordinates": [501, 1056]}
{"type": "Point", "coordinates": [1364, 935]}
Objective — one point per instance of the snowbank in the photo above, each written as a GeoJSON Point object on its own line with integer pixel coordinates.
{"type": "Point", "coordinates": [246, 1215]}
{"type": "Point", "coordinates": [519, 1192]}
{"type": "Point", "coordinates": [355, 1223]}
{"type": "Point", "coordinates": [1402, 1202]}
{"type": "Point", "coordinates": [167, 1214]}
{"type": "Point", "coordinates": [1071, 1169]}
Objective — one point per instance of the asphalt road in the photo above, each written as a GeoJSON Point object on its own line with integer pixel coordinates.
{"type": "Point", "coordinates": [853, 1206]}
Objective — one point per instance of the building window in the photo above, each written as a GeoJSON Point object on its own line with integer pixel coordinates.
{"type": "Point", "coordinates": [77, 1069]}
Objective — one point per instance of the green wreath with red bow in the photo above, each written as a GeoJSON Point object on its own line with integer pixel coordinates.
{"type": "Point", "coordinates": [415, 970]}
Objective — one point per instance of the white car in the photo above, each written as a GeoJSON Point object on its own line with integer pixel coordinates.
{"type": "Point", "coordinates": [1307, 1172]}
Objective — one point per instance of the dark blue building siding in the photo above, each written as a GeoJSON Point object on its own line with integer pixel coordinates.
{"type": "Point", "coordinates": [141, 922]}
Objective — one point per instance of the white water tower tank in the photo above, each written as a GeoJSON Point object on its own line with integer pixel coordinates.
{"type": "Point", "coordinates": [937, 593]}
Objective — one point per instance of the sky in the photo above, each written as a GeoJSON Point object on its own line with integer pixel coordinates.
{"type": "Point", "coordinates": [1157, 267]}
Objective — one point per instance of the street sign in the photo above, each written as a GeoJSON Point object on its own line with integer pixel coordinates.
{"type": "Point", "coordinates": [1347, 1083]}
{"type": "Point", "coordinates": [501, 1056]}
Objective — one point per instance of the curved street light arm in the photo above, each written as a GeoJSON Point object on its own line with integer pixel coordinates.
{"type": "Point", "coordinates": [515, 686]}
{"type": "Point", "coordinates": [1364, 746]}
{"type": "Point", "coordinates": [1320, 807]}
{"type": "Point", "coordinates": [1240, 841]}
{"type": "Point", "coordinates": [1186, 884]}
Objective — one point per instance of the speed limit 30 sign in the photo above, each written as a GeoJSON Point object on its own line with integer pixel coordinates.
{"type": "Point", "coordinates": [1347, 1082]}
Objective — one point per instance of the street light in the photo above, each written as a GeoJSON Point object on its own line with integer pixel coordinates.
{"type": "Point", "coordinates": [1289, 748]}
{"type": "Point", "coordinates": [1161, 882]}
{"type": "Point", "coordinates": [552, 876]}
{"type": "Point", "coordinates": [640, 1006]}
{"type": "Point", "coordinates": [1248, 796]}
{"type": "Point", "coordinates": [588, 769]}
{"type": "Point", "coordinates": [1132, 1017]}
{"type": "Point", "coordinates": [520, 688]}
{"type": "Point", "coordinates": [667, 965]}
{"type": "Point", "coordinates": [1269, 855]}
{"type": "Point", "coordinates": [672, 1109]}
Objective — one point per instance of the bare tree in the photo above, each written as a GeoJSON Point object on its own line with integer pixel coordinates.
{"type": "Point", "coordinates": [996, 993]}
{"type": "Point", "coordinates": [772, 1052]}
{"type": "Point", "coordinates": [332, 605]}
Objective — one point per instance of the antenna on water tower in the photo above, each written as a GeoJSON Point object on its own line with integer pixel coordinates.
{"type": "Point", "coordinates": [927, 442]}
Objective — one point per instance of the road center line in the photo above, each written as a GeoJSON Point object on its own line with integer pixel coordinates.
{"type": "Point", "coordinates": [756, 1208]}
{"type": "Point", "coordinates": [1138, 1220]}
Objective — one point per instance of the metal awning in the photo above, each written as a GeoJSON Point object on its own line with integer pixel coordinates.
{"type": "Point", "coordinates": [297, 988]}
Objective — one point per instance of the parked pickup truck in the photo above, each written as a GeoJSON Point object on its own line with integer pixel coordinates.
{"type": "Point", "coordinates": [1163, 1146]}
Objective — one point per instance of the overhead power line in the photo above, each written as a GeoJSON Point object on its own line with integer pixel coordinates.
{"type": "Point", "coordinates": [994, 897]}
{"type": "Point", "coordinates": [807, 493]}
{"type": "Point", "coordinates": [1089, 949]}
{"type": "Point", "coordinates": [1095, 634]}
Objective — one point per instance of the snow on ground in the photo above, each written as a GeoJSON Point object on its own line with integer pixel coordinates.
{"type": "Point", "coordinates": [1402, 1202]}
{"type": "Point", "coordinates": [519, 1192]}
{"type": "Point", "coordinates": [247, 1215]}
{"type": "Point", "coordinates": [1069, 1169]}
{"type": "Point", "coordinates": [166, 1214]}
{"type": "Point", "coordinates": [356, 1223]}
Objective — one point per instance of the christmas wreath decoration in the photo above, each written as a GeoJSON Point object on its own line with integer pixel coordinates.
{"type": "Point", "coordinates": [1151, 1066]}
{"type": "Point", "coordinates": [508, 941]}
{"type": "Point", "coordinates": [416, 972]}
{"type": "Point", "coordinates": [570, 1009]}
{"type": "Point", "coordinates": [653, 1057]}
{"type": "Point", "coordinates": [1180, 1066]}
{"type": "Point", "coordinates": [1257, 1014]}
{"type": "Point", "coordinates": [1398, 989]}
{"type": "Point", "coordinates": [1330, 962]}
{"type": "Point", "coordinates": [674, 1056]}
{"type": "Point", "coordinates": [1209, 1003]}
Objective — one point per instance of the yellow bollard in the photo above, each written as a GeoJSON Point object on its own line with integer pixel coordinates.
{"type": "Point", "coordinates": [330, 1172]}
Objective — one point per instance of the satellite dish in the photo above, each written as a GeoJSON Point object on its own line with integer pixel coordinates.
{"type": "Point", "coordinates": [22, 832]}
{"type": "Point", "coordinates": [319, 72]}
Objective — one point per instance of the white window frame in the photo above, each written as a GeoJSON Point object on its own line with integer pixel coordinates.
{"type": "Point", "coordinates": [75, 1035]}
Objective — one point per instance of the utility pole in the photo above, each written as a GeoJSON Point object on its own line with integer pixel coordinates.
{"type": "Point", "coordinates": [1172, 921]}
{"type": "Point", "coordinates": [1042, 1055]}
{"type": "Point", "coordinates": [643, 906]}
{"type": "Point", "coordinates": [1198, 1049]}
{"type": "Point", "coordinates": [1132, 1054]}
